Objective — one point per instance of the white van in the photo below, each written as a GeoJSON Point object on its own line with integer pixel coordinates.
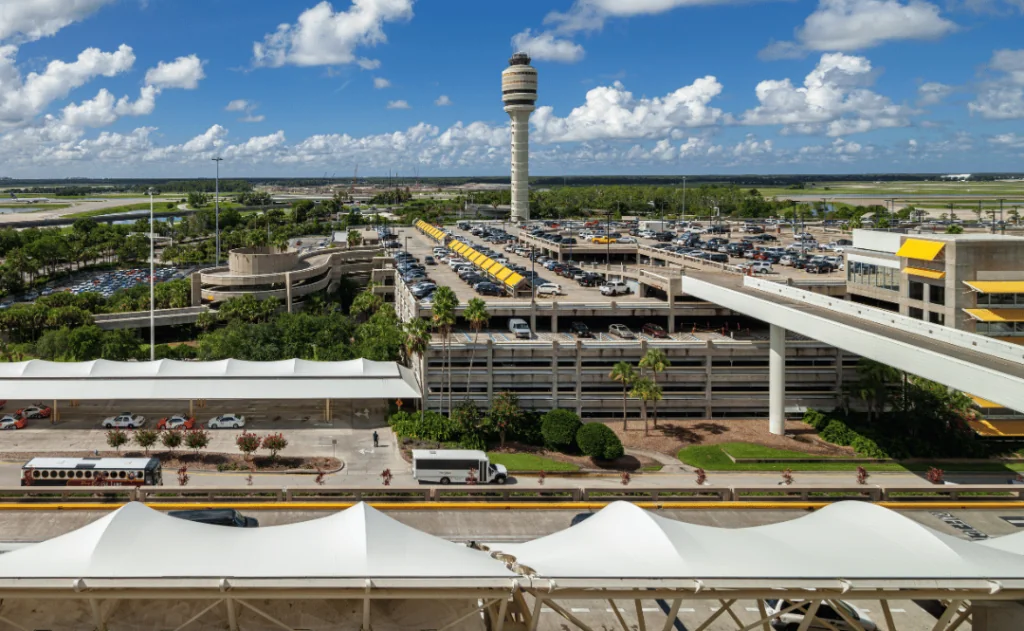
{"type": "Point", "coordinates": [520, 328]}
{"type": "Point", "coordinates": [453, 465]}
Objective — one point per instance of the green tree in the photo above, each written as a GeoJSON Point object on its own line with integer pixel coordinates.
{"type": "Point", "coordinates": [354, 238]}
{"type": "Point", "coordinates": [505, 415]}
{"type": "Point", "coordinates": [598, 441]}
{"type": "Point", "coordinates": [416, 338]}
{"type": "Point", "coordinates": [656, 361]}
{"type": "Point", "coordinates": [248, 443]}
{"type": "Point", "coordinates": [559, 427]}
{"type": "Point", "coordinates": [954, 229]}
{"type": "Point", "coordinates": [274, 443]}
{"type": "Point", "coordinates": [445, 303]}
{"type": "Point", "coordinates": [623, 373]}
{"type": "Point", "coordinates": [171, 439]}
{"type": "Point", "coordinates": [197, 440]}
{"type": "Point", "coordinates": [301, 210]}
{"type": "Point", "coordinates": [117, 438]}
{"type": "Point", "coordinates": [873, 380]}
{"type": "Point", "coordinates": [197, 199]}
{"type": "Point", "coordinates": [477, 316]}
{"type": "Point", "coordinates": [366, 304]}
{"type": "Point", "coordinates": [145, 438]}
{"type": "Point", "coordinates": [646, 390]}
{"type": "Point", "coordinates": [206, 320]}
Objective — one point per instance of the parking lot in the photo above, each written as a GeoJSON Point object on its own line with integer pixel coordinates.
{"type": "Point", "coordinates": [103, 283]}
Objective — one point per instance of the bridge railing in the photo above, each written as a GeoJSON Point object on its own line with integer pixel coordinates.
{"type": "Point", "coordinates": [512, 494]}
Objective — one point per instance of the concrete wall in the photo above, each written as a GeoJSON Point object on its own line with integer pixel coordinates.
{"type": "Point", "coordinates": [259, 261]}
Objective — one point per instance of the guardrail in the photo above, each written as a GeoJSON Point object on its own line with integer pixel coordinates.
{"type": "Point", "coordinates": [514, 493]}
{"type": "Point", "coordinates": [956, 337]}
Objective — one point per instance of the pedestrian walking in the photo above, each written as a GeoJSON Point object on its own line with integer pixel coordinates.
{"type": "Point", "coordinates": [375, 438]}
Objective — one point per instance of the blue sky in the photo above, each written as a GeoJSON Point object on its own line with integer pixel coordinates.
{"type": "Point", "coordinates": [157, 87]}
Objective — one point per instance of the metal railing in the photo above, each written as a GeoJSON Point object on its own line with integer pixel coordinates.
{"type": "Point", "coordinates": [518, 493]}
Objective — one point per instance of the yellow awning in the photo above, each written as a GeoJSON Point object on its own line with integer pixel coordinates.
{"type": "Point", "coordinates": [996, 286]}
{"type": "Point", "coordinates": [920, 249]}
{"type": "Point", "coordinates": [470, 253]}
{"type": "Point", "coordinates": [996, 315]}
{"type": "Point", "coordinates": [927, 273]}
{"type": "Point", "coordinates": [494, 269]}
{"type": "Point", "coordinates": [485, 262]}
{"type": "Point", "coordinates": [476, 257]}
{"type": "Point", "coordinates": [503, 274]}
{"type": "Point", "coordinates": [514, 280]}
{"type": "Point", "coordinates": [983, 403]}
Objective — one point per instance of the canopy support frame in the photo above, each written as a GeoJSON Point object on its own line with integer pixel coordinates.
{"type": "Point", "coordinates": [947, 615]}
{"type": "Point", "coordinates": [568, 616]}
{"type": "Point", "coordinates": [266, 615]}
{"type": "Point", "coordinates": [199, 615]}
{"type": "Point", "coordinates": [481, 606]}
{"type": "Point", "coordinates": [618, 615]}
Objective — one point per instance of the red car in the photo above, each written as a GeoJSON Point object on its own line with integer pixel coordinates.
{"type": "Point", "coordinates": [178, 421]}
{"type": "Point", "coordinates": [36, 411]}
{"type": "Point", "coordinates": [654, 331]}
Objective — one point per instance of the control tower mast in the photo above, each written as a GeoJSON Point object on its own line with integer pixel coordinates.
{"type": "Point", "coordinates": [519, 94]}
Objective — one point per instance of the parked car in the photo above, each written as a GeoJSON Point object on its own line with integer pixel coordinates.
{"type": "Point", "coordinates": [519, 328]}
{"type": "Point", "coordinates": [124, 420]}
{"type": "Point", "coordinates": [35, 411]}
{"type": "Point", "coordinates": [825, 618]}
{"type": "Point", "coordinates": [488, 289]}
{"type": "Point", "coordinates": [13, 421]}
{"type": "Point", "coordinates": [580, 330]}
{"type": "Point", "coordinates": [621, 331]}
{"type": "Point", "coordinates": [217, 517]}
{"type": "Point", "coordinates": [429, 260]}
{"type": "Point", "coordinates": [590, 279]}
{"type": "Point", "coordinates": [226, 421]}
{"type": "Point", "coordinates": [603, 240]}
{"type": "Point", "coordinates": [615, 288]}
{"type": "Point", "coordinates": [654, 330]}
{"type": "Point", "coordinates": [177, 421]}
{"type": "Point", "coordinates": [549, 289]}
{"type": "Point", "coordinates": [757, 267]}
{"type": "Point", "coordinates": [819, 267]}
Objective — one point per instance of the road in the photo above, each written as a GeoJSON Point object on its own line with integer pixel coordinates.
{"type": "Point", "coordinates": [77, 206]}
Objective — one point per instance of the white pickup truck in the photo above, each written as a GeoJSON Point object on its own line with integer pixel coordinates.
{"type": "Point", "coordinates": [125, 420]}
{"type": "Point", "coordinates": [615, 288]}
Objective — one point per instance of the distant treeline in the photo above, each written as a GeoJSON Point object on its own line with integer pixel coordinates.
{"type": "Point", "coordinates": [86, 188]}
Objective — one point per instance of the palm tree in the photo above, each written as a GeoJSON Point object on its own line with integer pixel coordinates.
{"type": "Point", "coordinates": [623, 373]}
{"type": "Point", "coordinates": [477, 316]}
{"type": "Point", "coordinates": [646, 390]}
{"type": "Point", "coordinates": [354, 238]}
{"type": "Point", "coordinates": [445, 302]}
{"type": "Point", "coordinates": [873, 379]}
{"type": "Point", "coordinates": [656, 361]}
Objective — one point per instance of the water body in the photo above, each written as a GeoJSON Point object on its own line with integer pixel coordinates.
{"type": "Point", "coordinates": [19, 210]}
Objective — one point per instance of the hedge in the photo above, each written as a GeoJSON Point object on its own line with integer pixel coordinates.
{"type": "Point", "coordinates": [559, 429]}
{"type": "Point", "coordinates": [597, 440]}
{"type": "Point", "coordinates": [434, 427]}
{"type": "Point", "coordinates": [837, 432]}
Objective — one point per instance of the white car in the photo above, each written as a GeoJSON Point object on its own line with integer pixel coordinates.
{"type": "Point", "coordinates": [226, 421]}
{"type": "Point", "coordinates": [553, 289]}
{"type": "Point", "coordinates": [614, 288]}
{"type": "Point", "coordinates": [12, 421]}
{"type": "Point", "coordinates": [825, 618]}
{"type": "Point", "coordinates": [627, 240]}
{"type": "Point", "coordinates": [125, 420]}
{"type": "Point", "coordinates": [621, 331]}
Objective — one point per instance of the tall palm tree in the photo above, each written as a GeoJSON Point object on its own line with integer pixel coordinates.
{"type": "Point", "coordinates": [873, 379]}
{"type": "Point", "coordinates": [624, 374]}
{"type": "Point", "coordinates": [655, 361]}
{"type": "Point", "coordinates": [477, 316]}
{"type": "Point", "coordinates": [445, 302]}
{"type": "Point", "coordinates": [646, 390]}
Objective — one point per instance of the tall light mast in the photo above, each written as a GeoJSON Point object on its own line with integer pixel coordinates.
{"type": "Point", "coordinates": [519, 94]}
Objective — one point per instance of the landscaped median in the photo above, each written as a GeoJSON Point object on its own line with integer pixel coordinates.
{"type": "Point", "coordinates": [530, 463]}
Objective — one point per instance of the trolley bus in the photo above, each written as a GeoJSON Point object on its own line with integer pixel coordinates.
{"type": "Point", "coordinates": [91, 472]}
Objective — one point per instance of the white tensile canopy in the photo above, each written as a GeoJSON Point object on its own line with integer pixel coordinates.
{"type": "Point", "coordinates": [225, 379]}
{"type": "Point", "coordinates": [402, 576]}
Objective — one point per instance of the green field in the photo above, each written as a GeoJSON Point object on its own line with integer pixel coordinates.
{"type": "Point", "coordinates": [714, 458]}
{"type": "Point", "coordinates": [35, 207]}
{"type": "Point", "coordinates": [952, 189]}
{"type": "Point", "coordinates": [530, 462]}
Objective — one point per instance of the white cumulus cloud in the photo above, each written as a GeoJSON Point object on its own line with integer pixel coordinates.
{"type": "Point", "coordinates": [380, 83]}
{"type": "Point", "coordinates": [613, 112]}
{"type": "Point", "coordinates": [102, 110]}
{"type": "Point", "coordinates": [248, 108]}
{"type": "Point", "coordinates": [443, 101]}
{"type": "Point", "coordinates": [933, 93]}
{"type": "Point", "coordinates": [183, 72]}
{"type": "Point", "coordinates": [29, 20]}
{"type": "Point", "coordinates": [1003, 97]}
{"type": "Point", "coordinates": [322, 36]}
{"type": "Point", "coordinates": [398, 105]}
{"type": "Point", "coordinates": [238, 105]}
{"type": "Point", "coordinates": [546, 47]}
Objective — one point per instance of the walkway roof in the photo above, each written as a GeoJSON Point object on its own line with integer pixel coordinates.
{"type": "Point", "coordinates": [225, 379]}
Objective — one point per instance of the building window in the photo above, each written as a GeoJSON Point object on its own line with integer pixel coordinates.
{"type": "Point", "coordinates": [873, 275]}
{"type": "Point", "coordinates": [937, 317]}
{"type": "Point", "coordinates": [936, 294]}
{"type": "Point", "coordinates": [916, 290]}
{"type": "Point", "coordinates": [917, 314]}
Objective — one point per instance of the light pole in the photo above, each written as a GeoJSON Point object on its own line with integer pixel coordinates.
{"type": "Point", "coordinates": [152, 283]}
{"type": "Point", "coordinates": [533, 274]}
{"type": "Point", "coordinates": [216, 206]}
{"type": "Point", "coordinates": [684, 197]}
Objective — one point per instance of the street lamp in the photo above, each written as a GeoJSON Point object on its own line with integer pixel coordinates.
{"type": "Point", "coordinates": [152, 287]}
{"type": "Point", "coordinates": [216, 206]}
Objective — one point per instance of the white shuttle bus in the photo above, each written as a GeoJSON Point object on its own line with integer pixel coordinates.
{"type": "Point", "coordinates": [452, 465]}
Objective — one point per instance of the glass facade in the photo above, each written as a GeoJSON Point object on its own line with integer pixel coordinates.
{"type": "Point", "coordinates": [873, 275]}
{"type": "Point", "coordinates": [1000, 329]}
{"type": "Point", "coordinates": [1000, 300]}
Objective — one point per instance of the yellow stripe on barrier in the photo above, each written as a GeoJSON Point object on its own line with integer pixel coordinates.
{"type": "Point", "coordinates": [398, 505]}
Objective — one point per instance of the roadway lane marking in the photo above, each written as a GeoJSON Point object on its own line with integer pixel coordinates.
{"type": "Point", "coordinates": [579, 610]}
{"type": "Point", "coordinates": [898, 610]}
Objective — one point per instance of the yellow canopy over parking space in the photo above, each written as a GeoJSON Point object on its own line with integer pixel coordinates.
{"type": "Point", "coordinates": [996, 315]}
{"type": "Point", "coordinates": [996, 286]}
{"type": "Point", "coordinates": [430, 231]}
{"type": "Point", "coordinates": [920, 249]}
{"type": "Point", "coordinates": [504, 274]}
{"type": "Point", "coordinates": [927, 273]}
{"type": "Point", "coordinates": [494, 269]}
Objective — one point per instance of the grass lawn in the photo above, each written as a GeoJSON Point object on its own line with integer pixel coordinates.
{"type": "Point", "coordinates": [530, 462]}
{"type": "Point", "coordinates": [714, 458]}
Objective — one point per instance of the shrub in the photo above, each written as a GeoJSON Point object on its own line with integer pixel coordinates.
{"type": "Point", "coordinates": [117, 438]}
{"type": "Point", "coordinates": [559, 429]}
{"type": "Point", "coordinates": [274, 443]}
{"type": "Point", "coordinates": [597, 440]}
{"type": "Point", "coordinates": [145, 438]}
{"type": "Point", "coordinates": [197, 440]}
{"type": "Point", "coordinates": [815, 419]}
{"type": "Point", "coordinates": [868, 448]}
{"type": "Point", "coordinates": [248, 443]}
{"type": "Point", "coordinates": [838, 433]}
{"type": "Point", "coordinates": [434, 426]}
{"type": "Point", "coordinates": [529, 431]}
{"type": "Point", "coordinates": [171, 438]}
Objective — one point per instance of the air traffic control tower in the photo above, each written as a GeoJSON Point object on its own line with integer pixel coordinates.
{"type": "Point", "coordinates": [519, 93]}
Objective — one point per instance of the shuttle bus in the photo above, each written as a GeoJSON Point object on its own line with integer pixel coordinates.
{"type": "Point", "coordinates": [453, 465]}
{"type": "Point", "coordinates": [91, 472]}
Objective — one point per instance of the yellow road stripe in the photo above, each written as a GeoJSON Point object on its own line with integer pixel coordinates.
{"type": "Point", "coordinates": [393, 505]}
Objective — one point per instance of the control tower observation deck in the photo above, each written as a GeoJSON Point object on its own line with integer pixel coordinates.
{"type": "Point", "coordinates": [519, 94]}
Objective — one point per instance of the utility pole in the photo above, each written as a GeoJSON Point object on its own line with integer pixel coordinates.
{"type": "Point", "coordinates": [152, 281]}
{"type": "Point", "coordinates": [216, 206]}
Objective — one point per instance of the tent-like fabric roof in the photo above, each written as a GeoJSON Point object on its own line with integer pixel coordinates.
{"type": "Point", "coordinates": [847, 540]}
{"type": "Point", "coordinates": [996, 315]}
{"type": "Point", "coordinates": [996, 286]}
{"type": "Point", "coordinates": [926, 273]}
{"type": "Point", "coordinates": [358, 543]}
{"type": "Point", "coordinates": [921, 249]}
{"type": "Point", "coordinates": [225, 379]}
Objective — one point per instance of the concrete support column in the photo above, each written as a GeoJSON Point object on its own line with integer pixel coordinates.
{"type": "Point", "coordinates": [554, 317]}
{"type": "Point", "coordinates": [288, 290]}
{"type": "Point", "coordinates": [777, 381]}
{"type": "Point", "coordinates": [839, 375]}
{"type": "Point", "coordinates": [579, 378]}
{"type": "Point", "coordinates": [197, 289]}
{"type": "Point", "coordinates": [533, 317]}
{"type": "Point", "coordinates": [554, 373]}
{"type": "Point", "coordinates": [708, 371]}
{"type": "Point", "coordinates": [671, 310]}
{"type": "Point", "coordinates": [490, 372]}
